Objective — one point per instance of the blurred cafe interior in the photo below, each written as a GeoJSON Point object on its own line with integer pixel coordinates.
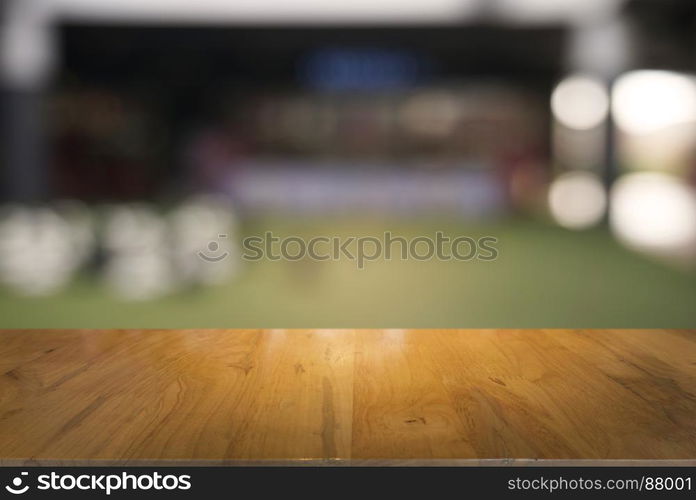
{"type": "Point", "coordinates": [138, 134]}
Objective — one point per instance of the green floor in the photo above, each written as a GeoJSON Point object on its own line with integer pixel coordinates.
{"type": "Point", "coordinates": [544, 277]}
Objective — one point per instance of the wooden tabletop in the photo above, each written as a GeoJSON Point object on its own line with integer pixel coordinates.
{"type": "Point", "coordinates": [121, 396]}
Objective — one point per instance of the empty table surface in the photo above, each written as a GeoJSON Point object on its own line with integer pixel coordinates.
{"type": "Point", "coordinates": [240, 396]}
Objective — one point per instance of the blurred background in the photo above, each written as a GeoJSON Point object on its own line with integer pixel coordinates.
{"type": "Point", "coordinates": [138, 134]}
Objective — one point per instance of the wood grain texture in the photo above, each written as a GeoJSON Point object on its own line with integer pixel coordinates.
{"type": "Point", "coordinates": [350, 395]}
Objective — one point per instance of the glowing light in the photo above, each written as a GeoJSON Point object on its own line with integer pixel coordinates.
{"type": "Point", "coordinates": [138, 266]}
{"type": "Point", "coordinates": [430, 114]}
{"type": "Point", "coordinates": [580, 102]}
{"type": "Point", "coordinates": [38, 253]}
{"type": "Point", "coordinates": [654, 211]}
{"type": "Point", "coordinates": [543, 10]}
{"type": "Point", "coordinates": [134, 227]}
{"type": "Point", "coordinates": [203, 235]}
{"type": "Point", "coordinates": [577, 200]}
{"type": "Point", "coordinates": [267, 10]}
{"type": "Point", "coordinates": [647, 101]}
